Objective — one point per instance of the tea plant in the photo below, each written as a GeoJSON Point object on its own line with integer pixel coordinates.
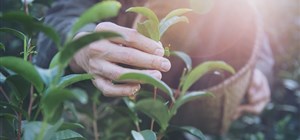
{"type": "Point", "coordinates": [46, 89]}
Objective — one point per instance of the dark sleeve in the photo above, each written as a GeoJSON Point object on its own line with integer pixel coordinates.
{"type": "Point", "coordinates": [61, 17]}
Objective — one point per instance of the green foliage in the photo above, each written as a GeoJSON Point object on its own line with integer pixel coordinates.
{"type": "Point", "coordinates": [143, 135]}
{"type": "Point", "coordinates": [30, 25]}
{"type": "Point", "coordinates": [202, 69]}
{"type": "Point", "coordinates": [185, 57]}
{"type": "Point", "coordinates": [100, 11]}
{"type": "Point", "coordinates": [154, 29]}
{"type": "Point", "coordinates": [23, 68]}
{"type": "Point", "coordinates": [156, 110]}
{"type": "Point", "coordinates": [146, 79]}
{"type": "Point", "coordinates": [55, 97]}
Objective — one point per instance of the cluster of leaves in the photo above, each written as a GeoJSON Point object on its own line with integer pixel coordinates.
{"type": "Point", "coordinates": [49, 85]}
{"type": "Point", "coordinates": [47, 88]}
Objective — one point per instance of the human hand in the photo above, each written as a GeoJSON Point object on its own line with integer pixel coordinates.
{"type": "Point", "coordinates": [101, 59]}
{"type": "Point", "coordinates": [257, 96]}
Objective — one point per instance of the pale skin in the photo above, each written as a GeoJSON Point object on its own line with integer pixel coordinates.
{"type": "Point", "coordinates": [102, 59]}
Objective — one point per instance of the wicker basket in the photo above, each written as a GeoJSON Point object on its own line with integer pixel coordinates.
{"type": "Point", "coordinates": [212, 115]}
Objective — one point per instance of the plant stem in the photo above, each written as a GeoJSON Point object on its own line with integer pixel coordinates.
{"type": "Point", "coordinates": [95, 127]}
{"type": "Point", "coordinates": [31, 101]}
{"type": "Point", "coordinates": [154, 98]}
{"type": "Point", "coordinates": [26, 7]}
{"type": "Point", "coordinates": [4, 93]}
{"type": "Point", "coordinates": [20, 122]}
{"type": "Point", "coordinates": [138, 127]}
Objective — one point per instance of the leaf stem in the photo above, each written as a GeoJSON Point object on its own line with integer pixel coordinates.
{"type": "Point", "coordinates": [95, 127]}
{"type": "Point", "coordinates": [154, 98]}
{"type": "Point", "coordinates": [31, 100]}
{"type": "Point", "coordinates": [4, 93]}
{"type": "Point", "coordinates": [20, 122]}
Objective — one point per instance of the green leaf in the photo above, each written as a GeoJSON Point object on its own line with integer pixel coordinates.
{"type": "Point", "coordinates": [31, 130]}
{"type": "Point", "coordinates": [125, 111]}
{"type": "Point", "coordinates": [67, 134]}
{"type": "Point", "coordinates": [188, 129]}
{"type": "Point", "coordinates": [100, 11]}
{"type": "Point", "coordinates": [155, 109]}
{"type": "Point", "coordinates": [14, 32]}
{"type": "Point", "coordinates": [67, 125]}
{"type": "Point", "coordinates": [164, 26]}
{"type": "Point", "coordinates": [150, 27]}
{"type": "Point", "coordinates": [6, 105]}
{"type": "Point", "coordinates": [201, 6]}
{"type": "Point", "coordinates": [143, 135]}
{"type": "Point", "coordinates": [186, 98]}
{"type": "Point", "coordinates": [2, 78]}
{"type": "Point", "coordinates": [55, 97]}
{"type": "Point", "coordinates": [30, 25]}
{"type": "Point", "coordinates": [73, 78]}
{"type": "Point", "coordinates": [148, 13]}
{"type": "Point", "coordinates": [23, 68]}
{"type": "Point", "coordinates": [47, 75]}
{"type": "Point", "coordinates": [202, 69]}
{"type": "Point", "coordinates": [185, 58]}
{"type": "Point", "coordinates": [52, 130]}
{"type": "Point", "coordinates": [177, 12]}
{"type": "Point", "coordinates": [72, 47]}
{"type": "Point", "coordinates": [55, 60]}
{"type": "Point", "coordinates": [2, 47]}
{"type": "Point", "coordinates": [19, 87]}
{"type": "Point", "coordinates": [147, 79]}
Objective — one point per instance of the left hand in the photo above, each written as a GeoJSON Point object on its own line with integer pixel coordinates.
{"type": "Point", "coordinates": [257, 97]}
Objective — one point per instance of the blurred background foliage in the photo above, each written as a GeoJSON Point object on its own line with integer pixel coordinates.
{"type": "Point", "coordinates": [281, 118]}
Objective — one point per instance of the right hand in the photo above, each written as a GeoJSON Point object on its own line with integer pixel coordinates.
{"type": "Point", "coordinates": [101, 59]}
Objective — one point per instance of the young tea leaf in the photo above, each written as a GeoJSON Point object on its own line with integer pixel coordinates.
{"type": "Point", "coordinates": [73, 78]}
{"type": "Point", "coordinates": [150, 27]}
{"type": "Point", "coordinates": [163, 26]}
{"type": "Point", "coordinates": [144, 78]}
{"type": "Point", "coordinates": [148, 13]}
{"type": "Point", "coordinates": [185, 58]}
{"type": "Point", "coordinates": [177, 12]}
{"type": "Point", "coordinates": [100, 11]}
{"type": "Point", "coordinates": [155, 109]}
{"type": "Point", "coordinates": [72, 47]}
{"type": "Point", "coordinates": [143, 135]}
{"type": "Point", "coordinates": [202, 69]}
{"type": "Point", "coordinates": [186, 98]}
{"type": "Point", "coordinates": [23, 68]}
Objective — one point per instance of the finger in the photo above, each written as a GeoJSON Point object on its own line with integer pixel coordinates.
{"type": "Point", "coordinates": [252, 108]}
{"type": "Point", "coordinates": [110, 90]}
{"type": "Point", "coordinates": [118, 54]}
{"type": "Point", "coordinates": [132, 38]}
{"type": "Point", "coordinates": [113, 72]}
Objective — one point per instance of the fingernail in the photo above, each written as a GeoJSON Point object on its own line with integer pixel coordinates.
{"type": "Point", "coordinates": [159, 52]}
{"type": "Point", "coordinates": [165, 65]}
{"type": "Point", "coordinates": [156, 74]}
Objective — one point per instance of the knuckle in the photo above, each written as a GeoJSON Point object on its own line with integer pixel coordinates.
{"type": "Point", "coordinates": [132, 36]}
{"type": "Point", "coordinates": [104, 26]}
{"type": "Point", "coordinates": [127, 57]}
